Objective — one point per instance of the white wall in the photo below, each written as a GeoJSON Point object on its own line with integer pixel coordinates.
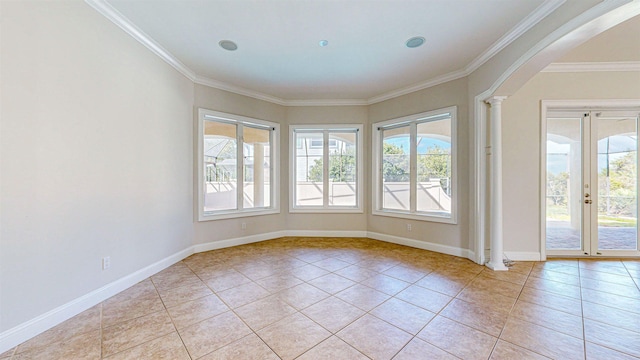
{"type": "Point", "coordinates": [521, 143]}
{"type": "Point", "coordinates": [97, 156]}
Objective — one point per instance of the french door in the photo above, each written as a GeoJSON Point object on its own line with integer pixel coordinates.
{"type": "Point", "coordinates": [591, 183]}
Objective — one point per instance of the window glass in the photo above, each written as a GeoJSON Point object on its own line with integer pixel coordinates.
{"type": "Point", "coordinates": [396, 170]}
{"type": "Point", "coordinates": [309, 169]}
{"type": "Point", "coordinates": [414, 166]}
{"type": "Point", "coordinates": [257, 167]}
{"type": "Point", "coordinates": [342, 169]}
{"type": "Point", "coordinates": [221, 163]}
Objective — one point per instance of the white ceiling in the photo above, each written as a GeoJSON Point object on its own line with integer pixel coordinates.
{"type": "Point", "coordinates": [279, 57]}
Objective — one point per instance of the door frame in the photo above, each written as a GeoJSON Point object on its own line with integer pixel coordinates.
{"type": "Point", "coordinates": [586, 105]}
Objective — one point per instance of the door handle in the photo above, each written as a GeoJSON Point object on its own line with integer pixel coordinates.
{"type": "Point", "coordinates": [588, 201]}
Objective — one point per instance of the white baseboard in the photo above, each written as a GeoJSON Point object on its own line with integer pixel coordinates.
{"type": "Point", "coordinates": [445, 249]}
{"type": "Point", "coordinates": [33, 327]}
{"type": "Point", "coordinates": [523, 255]}
{"type": "Point", "coordinates": [327, 233]}
{"type": "Point", "coordinates": [220, 244]}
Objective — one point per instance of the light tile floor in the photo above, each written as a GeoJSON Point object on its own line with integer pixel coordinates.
{"type": "Point", "coordinates": [323, 298]}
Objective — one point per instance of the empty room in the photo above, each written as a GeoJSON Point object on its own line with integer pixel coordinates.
{"type": "Point", "coordinates": [322, 179]}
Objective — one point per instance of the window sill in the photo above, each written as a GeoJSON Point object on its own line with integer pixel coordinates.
{"type": "Point", "coordinates": [236, 214]}
{"type": "Point", "coordinates": [311, 210]}
{"type": "Point", "coordinates": [419, 216]}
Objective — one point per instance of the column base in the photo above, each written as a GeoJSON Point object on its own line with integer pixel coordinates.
{"type": "Point", "coordinates": [497, 267]}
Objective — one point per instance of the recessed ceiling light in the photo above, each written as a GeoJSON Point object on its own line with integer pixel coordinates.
{"type": "Point", "coordinates": [324, 43]}
{"type": "Point", "coordinates": [228, 45]}
{"type": "Point", "coordinates": [414, 42]}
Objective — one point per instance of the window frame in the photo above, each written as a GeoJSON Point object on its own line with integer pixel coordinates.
{"type": "Point", "coordinates": [326, 129]}
{"type": "Point", "coordinates": [274, 151]}
{"type": "Point", "coordinates": [377, 162]}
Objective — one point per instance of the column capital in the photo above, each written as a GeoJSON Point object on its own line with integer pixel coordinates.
{"type": "Point", "coordinates": [495, 100]}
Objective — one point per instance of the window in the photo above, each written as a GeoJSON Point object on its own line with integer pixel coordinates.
{"type": "Point", "coordinates": [326, 164]}
{"type": "Point", "coordinates": [237, 159]}
{"type": "Point", "coordinates": [414, 166]}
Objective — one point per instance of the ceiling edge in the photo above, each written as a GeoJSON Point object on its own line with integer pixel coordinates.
{"type": "Point", "coordinates": [593, 66]}
{"type": "Point", "coordinates": [523, 26]}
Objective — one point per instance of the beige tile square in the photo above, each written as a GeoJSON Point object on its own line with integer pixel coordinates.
{"type": "Point", "coordinates": [141, 290]}
{"type": "Point", "coordinates": [374, 338]}
{"type": "Point", "coordinates": [331, 283]}
{"type": "Point", "coordinates": [551, 300]}
{"type": "Point", "coordinates": [264, 312]}
{"type": "Point", "coordinates": [500, 287]}
{"type": "Point", "coordinates": [333, 314]}
{"type": "Point", "coordinates": [84, 322]}
{"type": "Point", "coordinates": [406, 273]}
{"type": "Point", "coordinates": [8, 353]}
{"type": "Point", "coordinates": [84, 346]}
{"type": "Point", "coordinates": [356, 273]}
{"type": "Point", "coordinates": [426, 299]}
{"type": "Point", "coordinates": [403, 315]}
{"type": "Point", "coordinates": [612, 316]}
{"type": "Point", "coordinates": [622, 290]}
{"type": "Point", "coordinates": [557, 276]}
{"type": "Point", "coordinates": [212, 334]}
{"type": "Point", "coordinates": [611, 300]}
{"type": "Point", "coordinates": [554, 287]}
{"type": "Point", "coordinates": [599, 352]}
{"type": "Point", "coordinates": [257, 270]}
{"type": "Point", "coordinates": [227, 280]}
{"type": "Point", "coordinates": [458, 339]}
{"type": "Point", "coordinates": [293, 335]}
{"type": "Point", "coordinates": [386, 284]}
{"type": "Point", "coordinates": [625, 279]}
{"type": "Point", "coordinates": [114, 312]}
{"type": "Point", "coordinates": [302, 296]}
{"type": "Point", "coordinates": [250, 347]}
{"type": "Point", "coordinates": [278, 282]}
{"type": "Point", "coordinates": [333, 349]}
{"type": "Point", "coordinates": [243, 294]}
{"type": "Point", "coordinates": [508, 351]}
{"type": "Point", "coordinates": [197, 310]}
{"type": "Point", "coordinates": [166, 347]}
{"type": "Point", "coordinates": [178, 295]}
{"type": "Point", "coordinates": [449, 285]}
{"type": "Point", "coordinates": [309, 272]}
{"type": "Point", "coordinates": [174, 276]}
{"type": "Point", "coordinates": [331, 264]}
{"type": "Point", "coordinates": [134, 332]}
{"type": "Point", "coordinates": [547, 317]}
{"type": "Point", "coordinates": [509, 276]}
{"type": "Point", "coordinates": [523, 267]}
{"type": "Point", "coordinates": [362, 297]}
{"type": "Point", "coordinates": [612, 337]}
{"type": "Point", "coordinates": [480, 316]}
{"type": "Point", "coordinates": [418, 349]}
{"type": "Point", "coordinates": [542, 340]}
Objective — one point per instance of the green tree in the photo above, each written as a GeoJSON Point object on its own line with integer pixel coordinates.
{"type": "Point", "coordinates": [342, 166]}
{"type": "Point", "coordinates": [617, 186]}
{"type": "Point", "coordinates": [433, 164]}
{"type": "Point", "coordinates": [394, 163]}
{"type": "Point", "coordinates": [557, 187]}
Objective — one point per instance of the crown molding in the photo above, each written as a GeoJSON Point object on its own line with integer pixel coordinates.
{"type": "Point", "coordinates": [541, 12]}
{"type": "Point", "coordinates": [122, 22]}
{"type": "Point", "coordinates": [420, 86]}
{"type": "Point", "coordinates": [592, 66]}
{"type": "Point", "coordinates": [237, 90]}
{"type": "Point", "coordinates": [327, 102]}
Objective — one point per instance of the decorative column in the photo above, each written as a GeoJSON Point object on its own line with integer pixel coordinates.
{"type": "Point", "coordinates": [495, 179]}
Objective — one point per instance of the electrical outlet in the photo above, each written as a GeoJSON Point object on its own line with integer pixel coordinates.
{"type": "Point", "coordinates": [408, 227]}
{"type": "Point", "coordinates": [244, 226]}
{"type": "Point", "coordinates": [106, 262]}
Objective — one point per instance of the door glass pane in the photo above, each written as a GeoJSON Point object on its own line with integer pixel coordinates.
{"type": "Point", "coordinates": [309, 169]}
{"type": "Point", "coordinates": [342, 169]}
{"type": "Point", "coordinates": [617, 183]}
{"type": "Point", "coordinates": [564, 184]}
{"type": "Point", "coordinates": [257, 169]}
{"type": "Point", "coordinates": [433, 146]}
{"type": "Point", "coordinates": [221, 166]}
{"type": "Point", "coordinates": [396, 168]}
